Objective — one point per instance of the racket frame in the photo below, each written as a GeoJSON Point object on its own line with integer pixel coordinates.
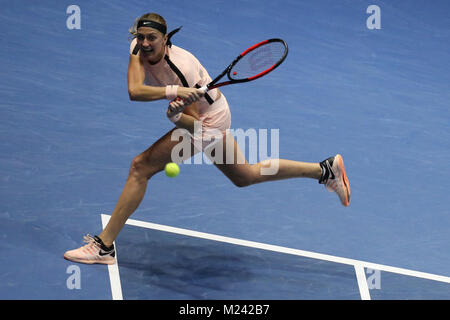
{"type": "Point", "coordinates": [213, 84]}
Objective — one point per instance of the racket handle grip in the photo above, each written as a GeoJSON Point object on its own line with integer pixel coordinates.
{"type": "Point", "coordinates": [204, 89]}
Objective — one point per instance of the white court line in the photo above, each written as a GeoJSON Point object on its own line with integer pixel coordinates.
{"type": "Point", "coordinates": [113, 269]}
{"type": "Point", "coordinates": [356, 263]}
{"type": "Point", "coordinates": [362, 282]}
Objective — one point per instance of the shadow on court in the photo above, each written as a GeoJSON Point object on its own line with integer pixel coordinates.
{"type": "Point", "coordinates": [161, 265]}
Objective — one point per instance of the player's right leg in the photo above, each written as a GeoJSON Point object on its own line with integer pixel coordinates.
{"type": "Point", "coordinates": [100, 249]}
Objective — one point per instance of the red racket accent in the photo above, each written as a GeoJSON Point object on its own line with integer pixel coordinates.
{"type": "Point", "coordinates": [254, 47]}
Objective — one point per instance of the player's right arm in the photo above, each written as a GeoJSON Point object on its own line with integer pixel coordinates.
{"type": "Point", "coordinates": [137, 90]}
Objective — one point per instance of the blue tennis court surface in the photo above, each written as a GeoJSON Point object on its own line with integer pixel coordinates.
{"type": "Point", "coordinates": [378, 97]}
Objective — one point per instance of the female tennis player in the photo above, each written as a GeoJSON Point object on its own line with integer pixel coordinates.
{"type": "Point", "coordinates": [159, 70]}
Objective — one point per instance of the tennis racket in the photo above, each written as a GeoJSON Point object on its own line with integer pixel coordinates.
{"type": "Point", "coordinates": [255, 62]}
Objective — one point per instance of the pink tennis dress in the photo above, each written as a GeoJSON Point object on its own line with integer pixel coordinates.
{"type": "Point", "coordinates": [180, 67]}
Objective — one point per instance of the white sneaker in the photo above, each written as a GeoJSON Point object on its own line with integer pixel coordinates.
{"type": "Point", "coordinates": [93, 252]}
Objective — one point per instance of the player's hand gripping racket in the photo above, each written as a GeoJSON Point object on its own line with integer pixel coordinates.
{"type": "Point", "coordinates": [253, 63]}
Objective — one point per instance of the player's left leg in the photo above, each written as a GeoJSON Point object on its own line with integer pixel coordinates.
{"type": "Point", "coordinates": [242, 173]}
{"type": "Point", "coordinates": [330, 172]}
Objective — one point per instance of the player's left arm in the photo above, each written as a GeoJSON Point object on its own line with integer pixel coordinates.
{"type": "Point", "coordinates": [188, 117]}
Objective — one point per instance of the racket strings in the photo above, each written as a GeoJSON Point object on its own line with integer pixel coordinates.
{"type": "Point", "coordinates": [258, 60]}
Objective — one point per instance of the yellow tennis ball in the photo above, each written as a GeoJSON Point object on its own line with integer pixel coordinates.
{"type": "Point", "coordinates": [172, 169]}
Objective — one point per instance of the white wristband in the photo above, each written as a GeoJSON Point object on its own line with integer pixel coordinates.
{"type": "Point", "coordinates": [171, 92]}
{"type": "Point", "coordinates": [176, 117]}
